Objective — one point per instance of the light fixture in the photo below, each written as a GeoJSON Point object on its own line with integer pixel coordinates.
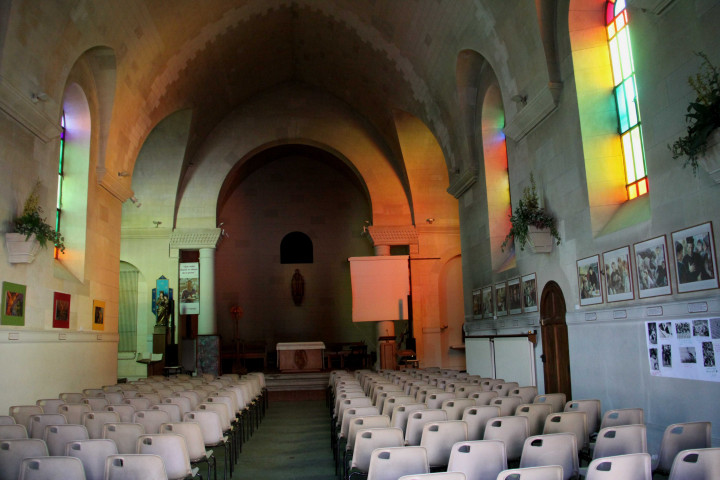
{"type": "Point", "coordinates": [157, 223]}
{"type": "Point", "coordinates": [39, 97]}
{"type": "Point", "coordinates": [123, 173]}
{"type": "Point", "coordinates": [521, 99]}
{"type": "Point", "coordinates": [430, 220]}
{"type": "Point", "coordinates": [135, 201]}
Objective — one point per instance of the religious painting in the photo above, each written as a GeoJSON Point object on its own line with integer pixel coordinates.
{"type": "Point", "coordinates": [514, 299]}
{"type": "Point", "coordinates": [651, 265]}
{"type": "Point", "coordinates": [589, 280]}
{"type": "Point", "coordinates": [61, 310]}
{"type": "Point", "coordinates": [695, 266]}
{"type": "Point", "coordinates": [488, 303]}
{"type": "Point", "coordinates": [13, 304]}
{"type": "Point", "coordinates": [162, 304]}
{"type": "Point", "coordinates": [617, 272]}
{"type": "Point", "coordinates": [500, 299]}
{"type": "Point", "coordinates": [529, 293]}
{"type": "Point", "coordinates": [98, 315]}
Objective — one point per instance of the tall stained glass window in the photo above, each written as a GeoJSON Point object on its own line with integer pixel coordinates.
{"type": "Point", "coordinates": [626, 98]}
{"type": "Point", "coordinates": [61, 161]}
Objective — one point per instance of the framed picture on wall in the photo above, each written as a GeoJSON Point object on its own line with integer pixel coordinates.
{"type": "Point", "coordinates": [514, 299]}
{"type": "Point", "coordinates": [500, 299]}
{"type": "Point", "coordinates": [488, 302]}
{"type": "Point", "coordinates": [589, 280]}
{"type": "Point", "coordinates": [695, 265]}
{"type": "Point", "coordinates": [528, 284]}
{"type": "Point", "coordinates": [477, 302]}
{"type": "Point", "coordinates": [98, 315]}
{"type": "Point", "coordinates": [617, 272]}
{"type": "Point", "coordinates": [651, 266]}
{"type": "Point", "coordinates": [61, 310]}
{"type": "Point", "coordinates": [13, 304]}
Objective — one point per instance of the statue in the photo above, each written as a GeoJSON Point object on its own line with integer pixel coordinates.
{"type": "Point", "coordinates": [162, 305]}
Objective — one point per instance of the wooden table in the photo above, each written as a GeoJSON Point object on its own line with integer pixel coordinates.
{"type": "Point", "coordinates": [300, 356]}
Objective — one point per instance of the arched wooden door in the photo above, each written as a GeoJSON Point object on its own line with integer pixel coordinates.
{"type": "Point", "coordinates": [553, 329]}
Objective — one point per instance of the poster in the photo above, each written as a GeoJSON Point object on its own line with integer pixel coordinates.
{"type": "Point", "coordinates": [529, 291]}
{"type": "Point", "coordinates": [189, 288]}
{"type": "Point", "coordinates": [590, 280]}
{"type": "Point", "coordinates": [514, 299]}
{"type": "Point", "coordinates": [98, 315]}
{"type": "Point", "coordinates": [61, 310]}
{"type": "Point", "coordinates": [13, 304]}
{"type": "Point", "coordinates": [618, 276]}
{"type": "Point", "coordinates": [684, 348]}
{"type": "Point", "coordinates": [695, 265]}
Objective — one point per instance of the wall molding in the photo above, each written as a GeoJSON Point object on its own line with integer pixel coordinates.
{"type": "Point", "coordinates": [20, 107]}
{"type": "Point", "coordinates": [23, 336]}
{"type": "Point", "coordinates": [538, 108]}
{"type": "Point", "coordinates": [462, 182]}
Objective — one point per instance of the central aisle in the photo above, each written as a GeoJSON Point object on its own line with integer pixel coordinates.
{"type": "Point", "coordinates": [292, 443]}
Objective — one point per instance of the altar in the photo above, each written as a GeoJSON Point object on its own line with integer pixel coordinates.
{"type": "Point", "coordinates": [300, 356]}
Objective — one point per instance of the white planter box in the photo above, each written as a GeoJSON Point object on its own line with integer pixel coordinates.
{"type": "Point", "coordinates": [541, 241]}
{"type": "Point", "coordinates": [21, 250]}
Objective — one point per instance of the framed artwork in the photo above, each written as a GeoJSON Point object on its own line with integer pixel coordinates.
{"type": "Point", "coordinates": [651, 264]}
{"type": "Point", "coordinates": [477, 302]}
{"type": "Point", "coordinates": [488, 302]}
{"type": "Point", "coordinates": [501, 299]}
{"type": "Point", "coordinates": [514, 299]}
{"type": "Point", "coordinates": [98, 315]}
{"type": "Point", "coordinates": [695, 265]}
{"type": "Point", "coordinates": [529, 293]}
{"type": "Point", "coordinates": [589, 280]}
{"type": "Point", "coordinates": [617, 270]}
{"type": "Point", "coordinates": [61, 310]}
{"type": "Point", "coordinates": [13, 304]}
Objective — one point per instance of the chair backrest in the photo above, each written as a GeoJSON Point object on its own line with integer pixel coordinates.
{"type": "Point", "coordinates": [172, 448]}
{"type": "Point", "coordinates": [557, 400]}
{"type": "Point", "coordinates": [92, 453]}
{"type": "Point", "coordinates": [22, 413]}
{"type": "Point", "coordinates": [681, 436]}
{"type": "Point", "coordinates": [139, 403]}
{"type": "Point", "coordinates": [210, 425]}
{"type": "Point", "coordinates": [483, 397]}
{"type": "Point", "coordinates": [13, 432]}
{"type": "Point", "coordinates": [7, 420]}
{"type": "Point", "coordinates": [635, 466]}
{"type": "Point", "coordinates": [193, 437]}
{"type": "Point", "coordinates": [13, 451]}
{"type": "Point", "coordinates": [393, 400]}
{"type": "Point", "coordinates": [124, 435]}
{"type": "Point", "coordinates": [423, 393]}
{"type": "Point", "coordinates": [507, 405]}
{"type": "Point", "coordinates": [72, 397]}
{"type": "Point", "coordinates": [151, 420]}
{"type": "Point", "coordinates": [504, 388]}
{"type": "Point", "coordinates": [464, 391]}
{"type": "Point", "coordinates": [368, 440]}
{"type": "Point", "coordinates": [435, 400]}
{"type": "Point", "coordinates": [57, 436]}
{"type": "Point", "coordinates": [435, 476]}
{"type": "Point", "coordinates": [183, 402]}
{"type": "Point", "coordinates": [623, 416]}
{"type": "Point", "coordinates": [536, 414]}
{"type": "Point", "coordinates": [439, 437]}
{"type": "Point", "coordinates": [171, 409]}
{"type": "Point", "coordinates": [351, 413]}
{"type": "Point", "coordinates": [570, 422]}
{"type": "Point", "coordinates": [47, 468]}
{"type": "Point", "coordinates": [416, 422]}
{"type": "Point", "coordinates": [132, 467]}
{"type": "Point", "coordinates": [476, 418]}
{"type": "Point", "coordinates": [40, 421]}
{"type": "Point", "coordinates": [74, 411]}
{"type": "Point", "coordinates": [96, 404]}
{"type": "Point", "coordinates": [455, 407]}
{"type": "Point", "coordinates": [552, 472]}
{"type": "Point", "coordinates": [50, 405]}
{"type": "Point", "coordinates": [620, 440]}
{"type": "Point", "coordinates": [94, 422]}
{"type": "Point", "coordinates": [114, 397]}
{"type": "Point", "coordinates": [696, 464]}
{"type": "Point", "coordinates": [511, 430]}
{"type": "Point", "coordinates": [125, 411]}
{"type": "Point", "coordinates": [362, 423]}
{"type": "Point", "coordinates": [391, 463]}
{"type": "Point", "coordinates": [527, 393]}
{"type": "Point", "coordinates": [554, 449]}
{"type": "Point", "coordinates": [478, 460]}
{"type": "Point", "coordinates": [593, 410]}
{"type": "Point", "coordinates": [219, 408]}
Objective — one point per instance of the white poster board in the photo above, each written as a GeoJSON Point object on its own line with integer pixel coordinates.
{"type": "Point", "coordinates": [380, 288]}
{"type": "Point", "coordinates": [684, 348]}
{"type": "Point", "coordinates": [515, 360]}
{"type": "Point", "coordinates": [479, 357]}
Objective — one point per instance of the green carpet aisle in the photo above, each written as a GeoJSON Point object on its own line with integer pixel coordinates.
{"type": "Point", "coordinates": [292, 443]}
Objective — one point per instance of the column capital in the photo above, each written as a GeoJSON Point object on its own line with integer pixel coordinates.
{"type": "Point", "coordinates": [195, 238]}
{"type": "Point", "coordinates": [393, 234]}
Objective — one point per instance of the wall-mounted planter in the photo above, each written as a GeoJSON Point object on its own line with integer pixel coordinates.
{"type": "Point", "coordinates": [711, 160]}
{"type": "Point", "coordinates": [541, 241]}
{"type": "Point", "coordinates": [21, 250]}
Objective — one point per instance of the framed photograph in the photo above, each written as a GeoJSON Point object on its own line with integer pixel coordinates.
{"type": "Point", "coordinates": [617, 270]}
{"type": "Point", "coordinates": [500, 299]}
{"type": "Point", "coordinates": [488, 302]}
{"type": "Point", "coordinates": [514, 299]}
{"type": "Point", "coordinates": [61, 310]}
{"type": "Point", "coordinates": [528, 285]}
{"type": "Point", "coordinates": [13, 304]}
{"type": "Point", "coordinates": [651, 265]}
{"type": "Point", "coordinates": [477, 302]}
{"type": "Point", "coordinates": [98, 315]}
{"type": "Point", "coordinates": [695, 265]}
{"type": "Point", "coordinates": [590, 280]}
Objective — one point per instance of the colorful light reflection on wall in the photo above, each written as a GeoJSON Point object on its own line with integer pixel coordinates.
{"type": "Point", "coordinates": [626, 99]}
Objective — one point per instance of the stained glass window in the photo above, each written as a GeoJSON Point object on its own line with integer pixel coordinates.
{"type": "Point", "coordinates": [61, 161]}
{"type": "Point", "coordinates": [626, 98]}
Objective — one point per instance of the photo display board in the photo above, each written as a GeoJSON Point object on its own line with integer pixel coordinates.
{"type": "Point", "coordinates": [684, 348]}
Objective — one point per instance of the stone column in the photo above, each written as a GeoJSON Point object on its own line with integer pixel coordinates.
{"type": "Point", "coordinates": [207, 322]}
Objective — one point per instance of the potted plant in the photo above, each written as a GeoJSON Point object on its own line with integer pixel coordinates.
{"type": "Point", "coordinates": [530, 222]}
{"type": "Point", "coordinates": [31, 232]}
{"type": "Point", "coordinates": [703, 118]}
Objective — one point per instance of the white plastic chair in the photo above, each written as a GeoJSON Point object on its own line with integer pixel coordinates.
{"type": "Point", "coordinates": [455, 407]}
{"type": "Point", "coordinates": [696, 464]}
{"type": "Point", "coordinates": [678, 437]}
{"type": "Point", "coordinates": [483, 397]}
{"type": "Point", "coordinates": [40, 421]}
{"type": "Point", "coordinates": [92, 453]}
{"type": "Point", "coordinates": [94, 422]}
{"type": "Point", "coordinates": [536, 414]}
{"type": "Point", "coordinates": [553, 449]}
{"type": "Point", "coordinates": [172, 449]}
{"type": "Point", "coordinates": [57, 436]}
{"type": "Point", "coordinates": [557, 400]}
{"type": "Point", "coordinates": [507, 404]}
{"type": "Point", "coordinates": [635, 466]}
{"type": "Point", "coordinates": [47, 468]}
{"type": "Point", "coordinates": [124, 435]}
{"type": "Point", "coordinates": [478, 460]}
{"type": "Point", "coordinates": [438, 439]}
{"type": "Point", "coordinates": [151, 420]}
{"type": "Point", "coordinates": [50, 405]}
{"type": "Point", "coordinates": [134, 466]}
{"type": "Point", "coordinates": [195, 443]}
{"type": "Point", "coordinates": [125, 411]}
{"type": "Point", "coordinates": [74, 411]}
{"type": "Point", "coordinates": [435, 476]}
{"type": "Point", "coordinates": [368, 440]}
{"type": "Point", "coordinates": [416, 422]}
{"type": "Point", "coordinates": [13, 432]}
{"type": "Point", "coordinates": [22, 413]}
{"type": "Point", "coordinates": [511, 430]}
{"type": "Point", "coordinates": [476, 419]}
{"type": "Point", "coordinates": [553, 472]}
{"type": "Point", "coordinates": [12, 453]}
{"type": "Point", "coordinates": [391, 463]}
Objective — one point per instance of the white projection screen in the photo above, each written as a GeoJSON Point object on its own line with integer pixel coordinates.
{"type": "Point", "coordinates": [511, 358]}
{"type": "Point", "coordinates": [380, 288]}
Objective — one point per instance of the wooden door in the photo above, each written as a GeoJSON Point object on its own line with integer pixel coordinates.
{"type": "Point", "coordinates": [556, 356]}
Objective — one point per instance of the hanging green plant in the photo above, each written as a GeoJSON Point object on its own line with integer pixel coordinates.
{"type": "Point", "coordinates": [703, 115]}
{"type": "Point", "coordinates": [528, 213]}
{"type": "Point", "coordinates": [32, 222]}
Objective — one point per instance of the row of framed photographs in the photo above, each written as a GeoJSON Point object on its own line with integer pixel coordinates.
{"type": "Point", "coordinates": [612, 277]}
{"type": "Point", "coordinates": [517, 295]}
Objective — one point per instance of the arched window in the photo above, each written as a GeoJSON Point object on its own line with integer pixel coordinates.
{"type": "Point", "coordinates": [58, 207]}
{"type": "Point", "coordinates": [296, 247]}
{"type": "Point", "coordinates": [626, 98]}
